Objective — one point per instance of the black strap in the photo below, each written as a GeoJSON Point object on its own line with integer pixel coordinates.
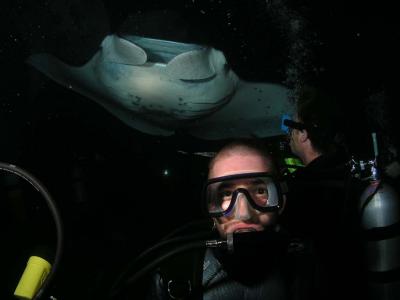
{"type": "Point", "coordinates": [382, 233]}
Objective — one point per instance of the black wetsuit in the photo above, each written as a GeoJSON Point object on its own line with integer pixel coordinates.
{"type": "Point", "coordinates": [321, 208]}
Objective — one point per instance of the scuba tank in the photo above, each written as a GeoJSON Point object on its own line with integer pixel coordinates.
{"type": "Point", "coordinates": [379, 212]}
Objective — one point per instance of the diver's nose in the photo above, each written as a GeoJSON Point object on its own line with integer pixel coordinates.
{"type": "Point", "coordinates": [242, 209]}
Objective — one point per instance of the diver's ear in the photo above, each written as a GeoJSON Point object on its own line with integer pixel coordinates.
{"type": "Point", "coordinates": [303, 135]}
{"type": "Point", "coordinates": [282, 208]}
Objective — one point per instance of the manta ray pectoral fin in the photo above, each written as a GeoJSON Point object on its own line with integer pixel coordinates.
{"type": "Point", "coordinates": [80, 79]}
{"type": "Point", "coordinates": [254, 111]}
{"type": "Point", "coordinates": [50, 66]}
{"type": "Point", "coordinates": [83, 81]}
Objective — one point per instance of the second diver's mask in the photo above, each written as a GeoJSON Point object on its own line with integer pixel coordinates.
{"type": "Point", "coordinates": [222, 194]}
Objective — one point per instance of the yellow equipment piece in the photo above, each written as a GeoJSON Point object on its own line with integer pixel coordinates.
{"type": "Point", "coordinates": [33, 277]}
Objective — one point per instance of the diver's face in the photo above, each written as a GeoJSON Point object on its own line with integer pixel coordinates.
{"type": "Point", "coordinates": [244, 217]}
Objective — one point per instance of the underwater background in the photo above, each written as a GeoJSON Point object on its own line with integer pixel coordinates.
{"type": "Point", "coordinates": [120, 190]}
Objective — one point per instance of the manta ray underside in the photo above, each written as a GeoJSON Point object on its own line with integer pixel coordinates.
{"type": "Point", "coordinates": [159, 87]}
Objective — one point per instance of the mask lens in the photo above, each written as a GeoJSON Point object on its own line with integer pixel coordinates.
{"type": "Point", "coordinates": [260, 191]}
{"type": "Point", "coordinates": [263, 192]}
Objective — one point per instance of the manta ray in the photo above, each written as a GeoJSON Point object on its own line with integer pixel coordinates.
{"type": "Point", "coordinates": [160, 87]}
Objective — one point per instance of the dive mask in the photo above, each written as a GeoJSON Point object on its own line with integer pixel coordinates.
{"type": "Point", "coordinates": [221, 193]}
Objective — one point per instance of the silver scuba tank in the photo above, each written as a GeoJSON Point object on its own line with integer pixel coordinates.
{"type": "Point", "coordinates": [379, 210]}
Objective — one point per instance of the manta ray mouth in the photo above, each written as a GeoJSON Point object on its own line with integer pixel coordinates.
{"type": "Point", "coordinates": [199, 80]}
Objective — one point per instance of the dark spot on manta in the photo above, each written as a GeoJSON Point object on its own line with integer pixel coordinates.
{"type": "Point", "coordinates": [138, 99]}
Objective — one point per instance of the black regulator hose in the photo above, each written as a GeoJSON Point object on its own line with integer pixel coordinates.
{"type": "Point", "coordinates": [150, 252]}
{"type": "Point", "coordinates": [157, 247]}
{"type": "Point", "coordinates": [164, 243]}
{"type": "Point", "coordinates": [56, 216]}
{"type": "Point", "coordinates": [156, 262]}
{"type": "Point", "coordinates": [167, 240]}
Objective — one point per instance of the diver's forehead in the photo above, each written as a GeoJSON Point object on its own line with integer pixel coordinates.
{"type": "Point", "coordinates": [238, 164]}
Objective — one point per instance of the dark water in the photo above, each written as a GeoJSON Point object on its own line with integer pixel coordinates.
{"type": "Point", "coordinates": [120, 190]}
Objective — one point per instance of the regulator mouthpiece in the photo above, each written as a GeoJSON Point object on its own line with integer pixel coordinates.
{"type": "Point", "coordinates": [243, 241]}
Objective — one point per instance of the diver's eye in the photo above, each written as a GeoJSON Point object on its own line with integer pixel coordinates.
{"type": "Point", "coordinates": [260, 195]}
{"type": "Point", "coordinates": [226, 194]}
{"type": "Point", "coordinates": [261, 191]}
{"type": "Point", "coordinates": [225, 197]}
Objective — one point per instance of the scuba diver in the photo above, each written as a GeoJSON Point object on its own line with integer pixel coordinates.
{"type": "Point", "coordinates": [334, 210]}
{"type": "Point", "coordinates": [314, 136]}
{"type": "Point", "coordinates": [320, 207]}
{"type": "Point", "coordinates": [245, 200]}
